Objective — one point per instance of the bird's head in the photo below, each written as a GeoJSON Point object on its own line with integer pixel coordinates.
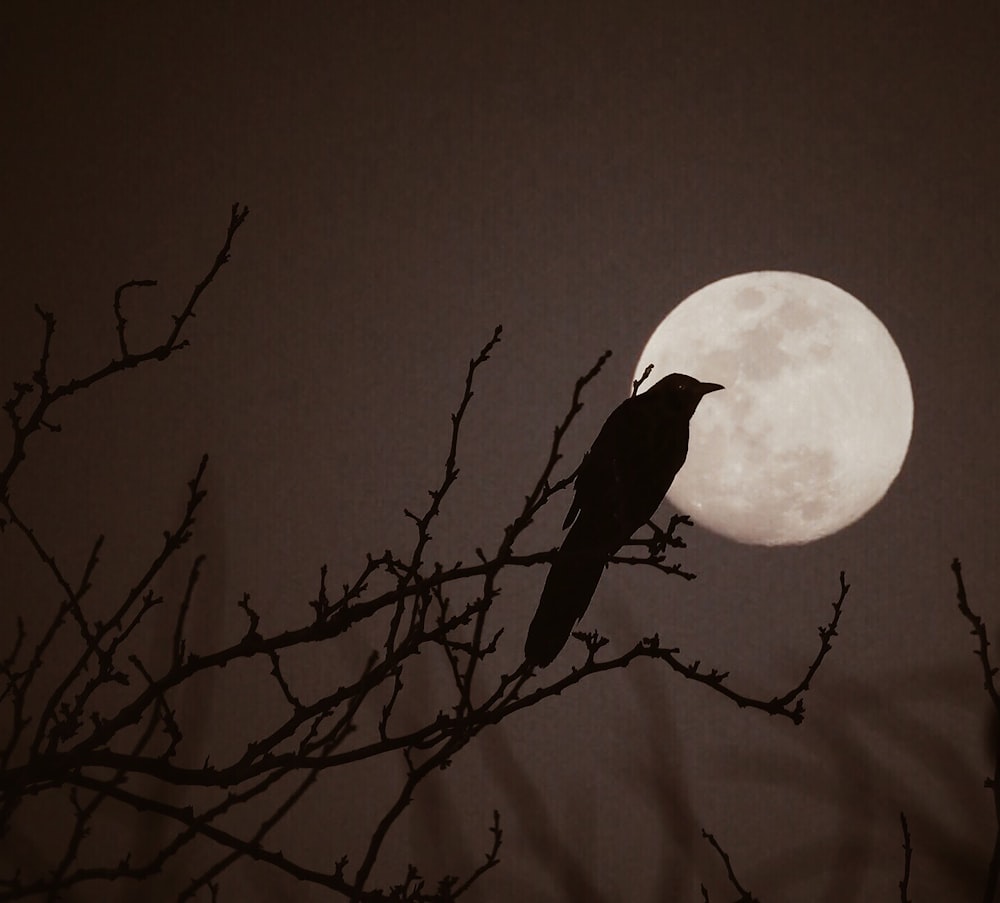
{"type": "Point", "coordinates": [682, 392]}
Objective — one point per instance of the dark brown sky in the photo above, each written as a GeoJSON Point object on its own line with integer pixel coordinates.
{"type": "Point", "coordinates": [420, 172]}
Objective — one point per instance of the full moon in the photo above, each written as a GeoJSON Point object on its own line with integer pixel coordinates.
{"type": "Point", "coordinates": [816, 416]}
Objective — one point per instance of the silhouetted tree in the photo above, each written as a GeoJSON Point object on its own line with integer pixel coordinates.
{"type": "Point", "coordinates": [99, 729]}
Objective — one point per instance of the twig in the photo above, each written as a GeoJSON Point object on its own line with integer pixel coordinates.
{"type": "Point", "coordinates": [990, 893]}
{"type": "Point", "coordinates": [47, 397]}
{"type": "Point", "coordinates": [636, 383]}
{"type": "Point", "coordinates": [745, 895]}
{"type": "Point", "coordinates": [904, 884]}
{"type": "Point", "coordinates": [120, 321]}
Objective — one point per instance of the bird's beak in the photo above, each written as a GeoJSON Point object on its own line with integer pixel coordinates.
{"type": "Point", "coordinates": [710, 387]}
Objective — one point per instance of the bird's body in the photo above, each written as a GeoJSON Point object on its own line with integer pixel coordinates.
{"type": "Point", "coordinates": [619, 485]}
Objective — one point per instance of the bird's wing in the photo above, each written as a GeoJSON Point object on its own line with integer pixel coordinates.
{"type": "Point", "coordinates": [599, 471]}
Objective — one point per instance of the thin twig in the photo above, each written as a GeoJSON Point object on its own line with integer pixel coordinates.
{"type": "Point", "coordinates": [745, 895]}
{"type": "Point", "coordinates": [982, 651]}
{"type": "Point", "coordinates": [904, 884]}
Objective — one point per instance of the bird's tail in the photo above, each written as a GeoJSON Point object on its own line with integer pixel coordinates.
{"type": "Point", "coordinates": [568, 590]}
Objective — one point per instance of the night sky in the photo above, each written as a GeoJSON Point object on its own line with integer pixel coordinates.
{"type": "Point", "coordinates": [417, 174]}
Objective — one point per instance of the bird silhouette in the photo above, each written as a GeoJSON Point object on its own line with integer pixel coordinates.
{"type": "Point", "coordinates": [618, 487]}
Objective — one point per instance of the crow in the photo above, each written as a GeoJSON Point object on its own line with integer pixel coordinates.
{"type": "Point", "coordinates": [618, 487]}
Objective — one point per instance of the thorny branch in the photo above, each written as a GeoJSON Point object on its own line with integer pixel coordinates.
{"type": "Point", "coordinates": [126, 752]}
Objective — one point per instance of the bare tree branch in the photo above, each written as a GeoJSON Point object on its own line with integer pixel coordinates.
{"type": "Point", "coordinates": [904, 884]}
{"type": "Point", "coordinates": [128, 752]}
{"type": "Point", "coordinates": [745, 895]}
{"type": "Point", "coordinates": [982, 651]}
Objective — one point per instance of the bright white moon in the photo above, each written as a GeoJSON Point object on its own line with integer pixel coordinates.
{"type": "Point", "coordinates": [816, 417]}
